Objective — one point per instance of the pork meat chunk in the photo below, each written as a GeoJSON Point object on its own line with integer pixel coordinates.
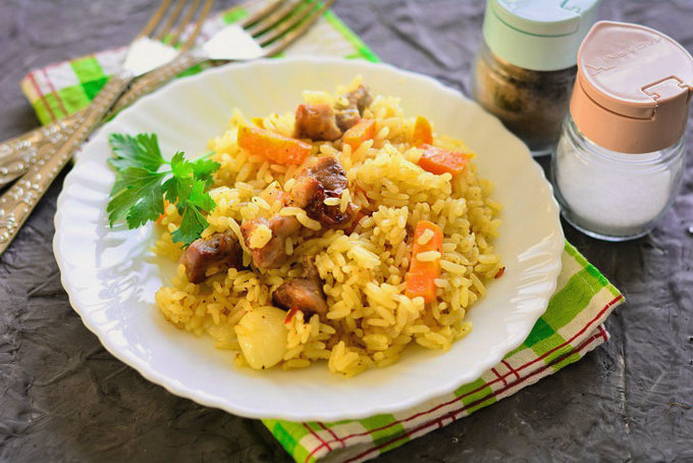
{"type": "Point", "coordinates": [272, 254]}
{"type": "Point", "coordinates": [316, 122]}
{"type": "Point", "coordinates": [322, 178]}
{"type": "Point", "coordinates": [221, 250]}
{"type": "Point", "coordinates": [302, 294]}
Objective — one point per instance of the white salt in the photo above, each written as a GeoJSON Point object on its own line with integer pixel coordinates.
{"type": "Point", "coordinates": [612, 195]}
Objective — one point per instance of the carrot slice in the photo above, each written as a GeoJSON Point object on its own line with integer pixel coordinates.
{"type": "Point", "coordinates": [438, 161]}
{"type": "Point", "coordinates": [423, 133]}
{"type": "Point", "coordinates": [277, 148]}
{"type": "Point", "coordinates": [421, 275]}
{"type": "Point", "coordinates": [290, 314]}
{"type": "Point", "coordinates": [364, 130]}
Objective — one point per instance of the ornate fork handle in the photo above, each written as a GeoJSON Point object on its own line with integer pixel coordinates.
{"type": "Point", "coordinates": [20, 200]}
{"type": "Point", "coordinates": [18, 154]}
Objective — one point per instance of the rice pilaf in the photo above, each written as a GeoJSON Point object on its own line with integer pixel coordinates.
{"type": "Point", "coordinates": [362, 268]}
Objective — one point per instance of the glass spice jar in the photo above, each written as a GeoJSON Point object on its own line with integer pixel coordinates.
{"type": "Point", "coordinates": [620, 157]}
{"type": "Point", "coordinates": [611, 195]}
{"type": "Point", "coordinates": [525, 68]}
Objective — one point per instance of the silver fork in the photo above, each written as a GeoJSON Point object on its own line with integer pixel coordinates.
{"type": "Point", "coordinates": [273, 28]}
{"type": "Point", "coordinates": [266, 33]}
{"type": "Point", "coordinates": [145, 53]}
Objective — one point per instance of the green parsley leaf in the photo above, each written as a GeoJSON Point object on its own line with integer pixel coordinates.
{"type": "Point", "coordinates": [191, 227]}
{"type": "Point", "coordinates": [140, 188]}
{"type": "Point", "coordinates": [203, 169]}
{"type": "Point", "coordinates": [180, 167]}
{"type": "Point", "coordinates": [136, 197]}
{"type": "Point", "coordinates": [179, 186]}
{"type": "Point", "coordinates": [142, 150]}
{"type": "Point", "coordinates": [199, 197]}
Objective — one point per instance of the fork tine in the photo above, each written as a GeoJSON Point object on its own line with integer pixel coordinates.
{"type": "Point", "coordinates": [173, 37]}
{"type": "Point", "coordinates": [274, 19]}
{"type": "Point", "coordinates": [155, 19]}
{"type": "Point", "coordinates": [250, 21]}
{"type": "Point", "coordinates": [190, 39]}
{"type": "Point", "coordinates": [170, 21]}
{"type": "Point", "coordinates": [301, 12]}
{"type": "Point", "coordinates": [294, 34]}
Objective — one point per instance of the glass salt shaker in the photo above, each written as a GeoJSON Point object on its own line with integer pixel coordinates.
{"type": "Point", "coordinates": [525, 68]}
{"type": "Point", "coordinates": [620, 157]}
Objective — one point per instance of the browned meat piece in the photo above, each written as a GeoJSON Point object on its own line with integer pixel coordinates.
{"type": "Point", "coordinates": [310, 270]}
{"type": "Point", "coordinates": [347, 118]}
{"type": "Point", "coordinates": [330, 174]}
{"type": "Point", "coordinates": [349, 114]}
{"type": "Point", "coordinates": [222, 249]}
{"type": "Point", "coordinates": [273, 254]}
{"type": "Point", "coordinates": [322, 178]}
{"type": "Point", "coordinates": [316, 122]}
{"type": "Point", "coordinates": [359, 98]}
{"type": "Point", "coordinates": [302, 294]}
{"type": "Point", "coordinates": [305, 190]}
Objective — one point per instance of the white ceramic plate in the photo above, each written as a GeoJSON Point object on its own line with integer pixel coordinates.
{"type": "Point", "coordinates": [111, 275]}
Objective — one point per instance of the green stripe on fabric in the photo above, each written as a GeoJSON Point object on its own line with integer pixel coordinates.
{"type": "Point", "coordinates": [380, 436]}
{"type": "Point", "coordinates": [348, 34]}
{"type": "Point", "coordinates": [545, 345]}
{"type": "Point", "coordinates": [289, 435]}
{"type": "Point", "coordinates": [52, 101]}
{"type": "Point", "coordinates": [540, 331]}
{"type": "Point", "coordinates": [573, 252]}
{"type": "Point", "coordinates": [469, 396]}
{"type": "Point", "coordinates": [614, 290]}
{"type": "Point", "coordinates": [191, 71]}
{"type": "Point", "coordinates": [515, 351]}
{"type": "Point", "coordinates": [566, 304]}
{"type": "Point", "coordinates": [44, 116]}
{"type": "Point", "coordinates": [87, 69]}
{"type": "Point", "coordinates": [74, 98]}
{"type": "Point", "coordinates": [282, 435]}
{"type": "Point", "coordinates": [313, 425]}
{"type": "Point", "coordinates": [93, 87]}
{"type": "Point", "coordinates": [480, 398]}
{"type": "Point", "coordinates": [234, 15]}
{"type": "Point", "coordinates": [572, 358]}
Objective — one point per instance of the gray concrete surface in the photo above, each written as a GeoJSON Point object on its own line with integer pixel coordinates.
{"type": "Point", "coordinates": [63, 398]}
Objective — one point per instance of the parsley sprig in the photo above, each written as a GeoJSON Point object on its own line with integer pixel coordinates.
{"type": "Point", "coordinates": [141, 186]}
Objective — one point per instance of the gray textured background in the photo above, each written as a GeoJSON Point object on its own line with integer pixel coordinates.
{"type": "Point", "coordinates": [63, 398]}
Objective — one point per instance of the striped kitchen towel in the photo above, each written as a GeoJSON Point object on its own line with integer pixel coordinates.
{"type": "Point", "coordinates": [571, 326]}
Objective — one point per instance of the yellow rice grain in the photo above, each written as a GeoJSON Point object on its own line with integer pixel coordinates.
{"type": "Point", "coordinates": [425, 237]}
{"type": "Point", "coordinates": [259, 237]}
{"type": "Point", "coordinates": [428, 256]}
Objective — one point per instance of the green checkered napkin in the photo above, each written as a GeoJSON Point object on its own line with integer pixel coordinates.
{"type": "Point", "coordinates": [571, 326]}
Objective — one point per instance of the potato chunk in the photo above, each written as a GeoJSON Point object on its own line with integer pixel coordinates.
{"type": "Point", "coordinates": [263, 337]}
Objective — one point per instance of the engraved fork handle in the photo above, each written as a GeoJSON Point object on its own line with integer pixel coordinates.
{"type": "Point", "coordinates": [19, 201]}
{"type": "Point", "coordinates": [18, 154]}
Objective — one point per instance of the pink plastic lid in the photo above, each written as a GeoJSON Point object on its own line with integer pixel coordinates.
{"type": "Point", "coordinates": [632, 89]}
